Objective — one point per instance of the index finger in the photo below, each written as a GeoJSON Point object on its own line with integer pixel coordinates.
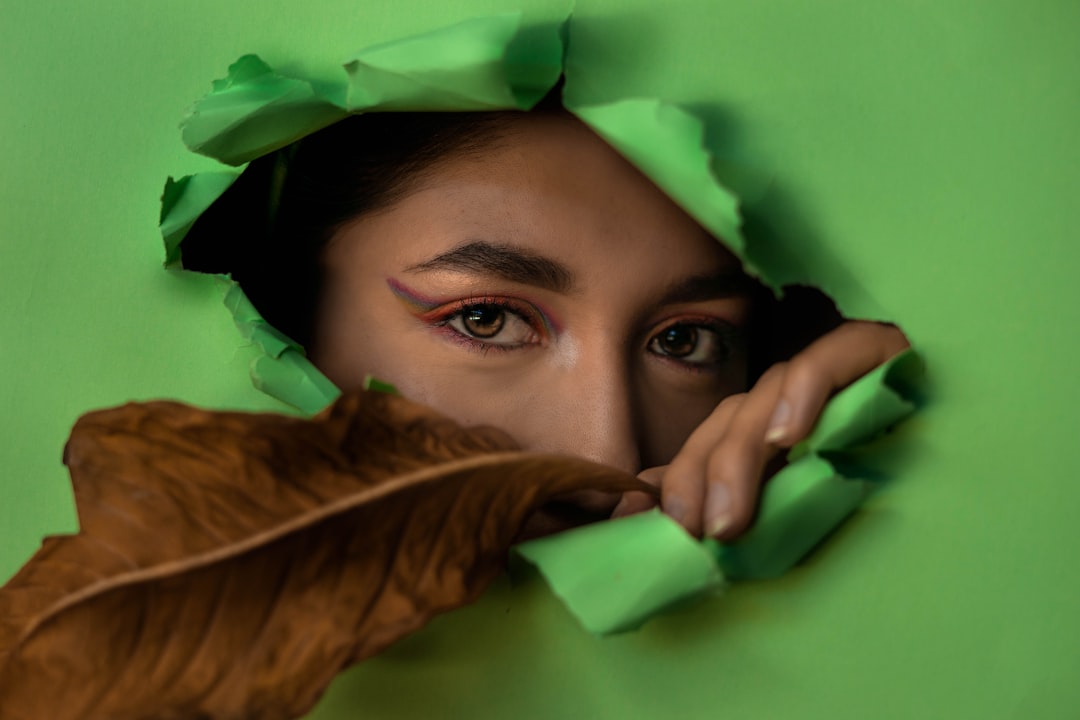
{"type": "Point", "coordinates": [830, 363]}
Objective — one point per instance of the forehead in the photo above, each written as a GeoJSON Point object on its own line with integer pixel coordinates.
{"type": "Point", "coordinates": [546, 183]}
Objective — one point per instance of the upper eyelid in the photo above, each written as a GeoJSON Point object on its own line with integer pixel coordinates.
{"type": "Point", "coordinates": [432, 310]}
{"type": "Point", "coordinates": [724, 327]}
{"type": "Point", "coordinates": [455, 307]}
{"type": "Point", "coordinates": [729, 334]}
{"type": "Point", "coordinates": [526, 311]}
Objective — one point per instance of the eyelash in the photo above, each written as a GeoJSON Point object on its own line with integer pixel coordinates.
{"type": "Point", "coordinates": [442, 316]}
{"type": "Point", "coordinates": [726, 335]}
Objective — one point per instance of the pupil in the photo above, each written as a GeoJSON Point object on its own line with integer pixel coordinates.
{"type": "Point", "coordinates": [679, 341]}
{"type": "Point", "coordinates": [484, 322]}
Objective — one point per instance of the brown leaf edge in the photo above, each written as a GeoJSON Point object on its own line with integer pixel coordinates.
{"type": "Point", "coordinates": [257, 625]}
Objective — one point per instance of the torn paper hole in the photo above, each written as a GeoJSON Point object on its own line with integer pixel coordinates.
{"type": "Point", "coordinates": [256, 114]}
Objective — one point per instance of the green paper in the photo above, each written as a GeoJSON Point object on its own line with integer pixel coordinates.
{"type": "Point", "coordinates": [615, 575]}
{"type": "Point", "coordinates": [251, 324]}
{"type": "Point", "coordinates": [282, 371]}
{"type": "Point", "coordinates": [668, 144]}
{"type": "Point", "coordinates": [479, 64]}
{"type": "Point", "coordinates": [466, 67]}
{"type": "Point", "coordinates": [373, 383]}
{"type": "Point", "coordinates": [293, 380]}
{"type": "Point", "coordinates": [183, 201]}
{"type": "Point", "coordinates": [253, 111]}
{"type": "Point", "coordinates": [800, 506]}
{"type": "Point", "coordinates": [485, 63]}
{"type": "Point", "coordinates": [861, 411]}
{"type": "Point", "coordinates": [919, 155]}
{"type": "Point", "coordinates": [809, 498]}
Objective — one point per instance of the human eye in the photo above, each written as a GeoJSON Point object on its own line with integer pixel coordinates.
{"type": "Point", "coordinates": [700, 344]}
{"type": "Point", "coordinates": [491, 323]}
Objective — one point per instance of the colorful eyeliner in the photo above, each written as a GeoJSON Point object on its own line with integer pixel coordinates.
{"type": "Point", "coordinates": [429, 309]}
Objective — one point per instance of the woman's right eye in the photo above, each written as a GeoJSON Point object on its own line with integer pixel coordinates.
{"type": "Point", "coordinates": [492, 324]}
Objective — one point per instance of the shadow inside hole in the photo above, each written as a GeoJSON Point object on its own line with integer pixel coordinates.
{"type": "Point", "coordinates": [779, 240]}
{"type": "Point", "coordinates": [274, 252]}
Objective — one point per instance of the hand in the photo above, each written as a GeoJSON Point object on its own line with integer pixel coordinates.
{"type": "Point", "coordinates": [713, 483]}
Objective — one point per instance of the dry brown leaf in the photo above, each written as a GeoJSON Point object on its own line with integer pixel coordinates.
{"type": "Point", "coordinates": [230, 564]}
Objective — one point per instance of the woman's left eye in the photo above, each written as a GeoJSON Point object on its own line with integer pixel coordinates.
{"type": "Point", "coordinates": [492, 324]}
{"type": "Point", "coordinates": [691, 344]}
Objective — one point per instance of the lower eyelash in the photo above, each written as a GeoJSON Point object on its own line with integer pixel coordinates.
{"type": "Point", "coordinates": [472, 343]}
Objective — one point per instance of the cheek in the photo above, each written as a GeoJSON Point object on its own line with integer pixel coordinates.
{"type": "Point", "coordinates": [474, 396]}
{"type": "Point", "coordinates": [670, 409]}
{"type": "Point", "coordinates": [592, 401]}
{"type": "Point", "coordinates": [666, 422]}
{"type": "Point", "coordinates": [369, 333]}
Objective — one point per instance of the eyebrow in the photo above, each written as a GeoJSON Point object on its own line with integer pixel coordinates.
{"type": "Point", "coordinates": [504, 261]}
{"type": "Point", "coordinates": [714, 286]}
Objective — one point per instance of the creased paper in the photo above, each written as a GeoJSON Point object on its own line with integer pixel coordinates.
{"type": "Point", "coordinates": [499, 63]}
{"type": "Point", "coordinates": [800, 505]}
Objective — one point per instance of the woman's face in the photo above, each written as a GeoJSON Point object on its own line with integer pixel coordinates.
{"type": "Point", "coordinates": [546, 287]}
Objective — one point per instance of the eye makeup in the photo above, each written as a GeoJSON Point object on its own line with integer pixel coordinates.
{"type": "Point", "coordinates": [418, 304]}
{"type": "Point", "coordinates": [440, 312]}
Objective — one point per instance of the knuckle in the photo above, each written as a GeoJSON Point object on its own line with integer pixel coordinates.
{"type": "Point", "coordinates": [712, 430]}
{"type": "Point", "coordinates": [729, 461]}
{"type": "Point", "coordinates": [804, 372]}
{"type": "Point", "coordinates": [729, 404]}
{"type": "Point", "coordinates": [679, 473]}
{"type": "Point", "coordinates": [775, 372]}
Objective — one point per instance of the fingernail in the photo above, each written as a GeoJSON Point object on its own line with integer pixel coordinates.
{"type": "Point", "coordinates": [718, 510]}
{"type": "Point", "coordinates": [676, 509]}
{"type": "Point", "coordinates": [629, 504]}
{"type": "Point", "coordinates": [778, 423]}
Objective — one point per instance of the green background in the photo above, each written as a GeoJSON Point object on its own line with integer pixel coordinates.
{"type": "Point", "coordinates": [924, 154]}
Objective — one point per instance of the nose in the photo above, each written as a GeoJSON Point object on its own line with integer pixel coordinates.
{"type": "Point", "coordinates": [586, 408]}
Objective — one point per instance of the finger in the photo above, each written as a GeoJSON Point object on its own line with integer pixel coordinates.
{"type": "Point", "coordinates": [634, 502]}
{"type": "Point", "coordinates": [736, 464]}
{"type": "Point", "coordinates": [683, 484]}
{"type": "Point", "coordinates": [829, 364]}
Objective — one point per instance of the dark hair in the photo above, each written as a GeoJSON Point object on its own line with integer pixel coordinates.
{"type": "Point", "coordinates": [269, 229]}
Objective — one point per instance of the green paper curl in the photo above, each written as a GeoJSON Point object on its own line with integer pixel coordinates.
{"type": "Point", "coordinates": [492, 63]}
{"type": "Point", "coordinates": [283, 371]}
{"type": "Point", "coordinates": [183, 201]}
{"type": "Point", "coordinates": [614, 575]}
{"type": "Point", "coordinates": [255, 110]}
{"type": "Point", "coordinates": [800, 506]}
{"type": "Point", "coordinates": [488, 63]}
{"type": "Point", "coordinates": [859, 412]}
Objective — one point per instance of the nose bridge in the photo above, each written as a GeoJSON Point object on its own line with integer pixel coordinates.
{"type": "Point", "coordinates": [593, 406]}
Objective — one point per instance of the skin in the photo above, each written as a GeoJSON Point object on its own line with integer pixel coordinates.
{"type": "Point", "coordinates": [548, 288]}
